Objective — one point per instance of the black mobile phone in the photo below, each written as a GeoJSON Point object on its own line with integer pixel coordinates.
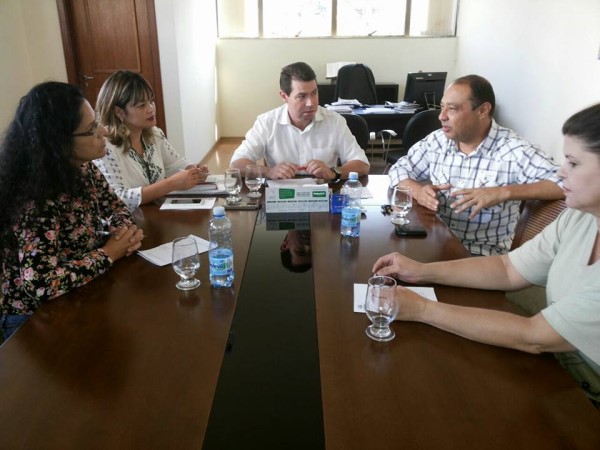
{"type": "Point", "coordinates": [411, 231]}
{"type": "Point", "coordinates": [242, 205]}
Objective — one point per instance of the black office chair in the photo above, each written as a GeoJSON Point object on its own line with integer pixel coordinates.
{"type": "Point", "coordinates": [418, 127]}
{"type": "Point", "coordinates": [356, 81]}
{"type": "Point", "coordinates": [359, 128]}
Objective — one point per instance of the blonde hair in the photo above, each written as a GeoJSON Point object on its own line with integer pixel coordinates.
{"type": "Point", "coordinates": [120, 89]}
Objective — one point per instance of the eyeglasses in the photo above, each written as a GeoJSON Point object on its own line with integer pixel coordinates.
{"type": "Point", "coordinates": [93, 128]}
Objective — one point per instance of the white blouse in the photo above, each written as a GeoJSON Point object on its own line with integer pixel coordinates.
{"type": "Point", "coordinates": [127, 172]}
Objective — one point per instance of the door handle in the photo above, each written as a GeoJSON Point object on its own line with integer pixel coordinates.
{"type": "Point", "coordinates": [86, 78]}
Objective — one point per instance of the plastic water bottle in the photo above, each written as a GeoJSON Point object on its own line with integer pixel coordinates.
{"type": "Point", "coordinates": [351, 210]}
{"type": "Point", "coordinates": [220, 253]}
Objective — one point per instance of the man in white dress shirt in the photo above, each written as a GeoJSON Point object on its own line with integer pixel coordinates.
{"type": "Point", "coordinates": [300, 137]}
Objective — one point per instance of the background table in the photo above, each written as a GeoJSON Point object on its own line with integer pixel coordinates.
{"type": "Point", "coordinates": [385, 92]}
{"type": "Point", "coordinates": [388, 120]}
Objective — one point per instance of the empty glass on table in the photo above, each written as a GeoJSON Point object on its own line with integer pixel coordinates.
{"type": "Point", "coordinates": [186, 261]}
{"type": "Point", "coordinates": [401, 205]}
{"type": "Point", "coordinates": [254, 180]}
{"type": "Point", "coordinates": [381, 306]}
{"type": "Point", "coordinates": [233, 185]}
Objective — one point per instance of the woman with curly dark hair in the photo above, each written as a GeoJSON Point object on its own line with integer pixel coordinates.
{"type": "Point", "coordinates": [61, 225]}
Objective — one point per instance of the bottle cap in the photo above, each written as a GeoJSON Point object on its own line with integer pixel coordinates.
{"type": "Point", "coordinates": [353, 176]}
{"type": "Point", "coordinates": [218, 211]}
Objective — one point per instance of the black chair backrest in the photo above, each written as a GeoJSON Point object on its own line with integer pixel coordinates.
{"type": "Point", "coordinates": [356, 81]}
{"type": "Point", "coordinates": [419, 126]}
{"type": "Point", "coordinates": [359, 128]}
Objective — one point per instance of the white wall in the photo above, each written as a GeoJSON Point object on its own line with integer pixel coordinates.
{"type": "Point", "coordinates": [30, 50]}
{"type": "Point", "coordinates": [543, 70]}
{"type": "Point", "coordinates": [248, 69]}
{"type": "Point", "coordinates": [186, 38]}
{"type": "Point", "coordinates": [541, 56]}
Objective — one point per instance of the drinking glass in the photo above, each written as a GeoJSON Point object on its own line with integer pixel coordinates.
{"type": "Point", "coordinates": [186, 261]}
{"type": "Point", "coordinates": [381, 306]}
{"type": "Point", "coordinates": [233, 185]}
{"type": "Point", "coordinates": [254, 180]}
{"type": "Point", "coordinates": [401, 205]}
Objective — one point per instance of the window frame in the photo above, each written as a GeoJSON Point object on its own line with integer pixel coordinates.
{"type": "Point", "coordinates": [333, 34]}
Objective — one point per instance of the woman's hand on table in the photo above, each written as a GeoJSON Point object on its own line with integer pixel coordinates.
{"type": "Point", "coordinates": [123, 241]}
{"type": "Point", "coordinates": [188, 178]}
{"type": "Point", "coordinates": [398, 266]}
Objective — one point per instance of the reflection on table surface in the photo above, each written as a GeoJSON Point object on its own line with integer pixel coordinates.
{"type": "Point", "coordinates": [129, 361]}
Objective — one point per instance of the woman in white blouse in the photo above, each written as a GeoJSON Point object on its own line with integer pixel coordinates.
{"type": "Point", "coordinates": [141, 166]}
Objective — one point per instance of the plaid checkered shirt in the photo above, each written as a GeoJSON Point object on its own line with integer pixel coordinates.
{"type": "Point", "coordinates": [503, 158]}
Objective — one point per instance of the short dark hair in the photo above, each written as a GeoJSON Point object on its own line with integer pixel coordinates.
{"type": "Point", "coordinates": [481, 91]}
{"type": "Point", "coordinates": [585, 126]}
{"type": "Point", "coordinates": [286, 261]}
{"type": "Point", "coordinates": [296, 71]}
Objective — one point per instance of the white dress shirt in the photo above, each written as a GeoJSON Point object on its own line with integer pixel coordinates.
{"type": "Point", "coordinates": [274, 138]}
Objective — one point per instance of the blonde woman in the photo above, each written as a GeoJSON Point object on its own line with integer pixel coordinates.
{"type": "Point", "coordinates": [141, 166]}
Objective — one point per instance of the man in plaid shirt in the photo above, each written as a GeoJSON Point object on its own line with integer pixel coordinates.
{"type": "Point", "coordinates": [477, 171]}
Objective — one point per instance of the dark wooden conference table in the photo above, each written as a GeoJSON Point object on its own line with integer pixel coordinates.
{"type": "Point", "coordinates": [278, 361]}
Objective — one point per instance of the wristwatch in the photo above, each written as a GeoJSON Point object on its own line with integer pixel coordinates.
{"type": "Point", "coordinates": [338, 173]}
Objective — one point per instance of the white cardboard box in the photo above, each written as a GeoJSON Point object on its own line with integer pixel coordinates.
{"type": "Point", "coordinates": [297, 198]}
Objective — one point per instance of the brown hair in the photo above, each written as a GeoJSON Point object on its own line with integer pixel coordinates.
{"type": "Point", "coordinates": [120, 89]}
{"type": "Point", "coordinates": [585, 126]}
{"type": "Point", "coordinates": [297, 71]}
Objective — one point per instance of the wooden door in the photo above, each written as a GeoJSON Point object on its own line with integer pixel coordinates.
{"type": "Point", "coordinates": [103, 36]}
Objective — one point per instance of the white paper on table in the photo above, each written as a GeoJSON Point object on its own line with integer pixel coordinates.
{"type": "Point", "coordinates": [342, 109]}
{"type": "Point", "coordinates": [366, 193]}
{"type": "Point", "coordinates": [163, 254]}
{"type": "Point", "coordinates": [360, 293]}
{"type": "Point", "coordinates": [188, 203]}
{"type": "Point", "coordinates": [346, 101]}
{"type": "Point", "coordinates": [378, 110]}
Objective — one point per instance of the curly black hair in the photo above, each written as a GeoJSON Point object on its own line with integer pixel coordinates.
{"type": "Point", "coordinates": [37, 149]}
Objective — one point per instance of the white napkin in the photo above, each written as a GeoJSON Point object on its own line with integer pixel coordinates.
{"type": "Point", "coordinates": [360, 292]}
{"type": "Point", "coordinates": [163, 254]}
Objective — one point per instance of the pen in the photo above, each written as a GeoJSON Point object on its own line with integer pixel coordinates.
{"type": "Point", "coordinates": [105, 233]}
{"type": "Point", "coordinates": [203, 173]}
{"type": "Point", "coordinates": [109, 233]}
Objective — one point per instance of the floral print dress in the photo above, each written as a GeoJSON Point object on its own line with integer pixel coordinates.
{"type": "Point", "coordinates": [57, 247]}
